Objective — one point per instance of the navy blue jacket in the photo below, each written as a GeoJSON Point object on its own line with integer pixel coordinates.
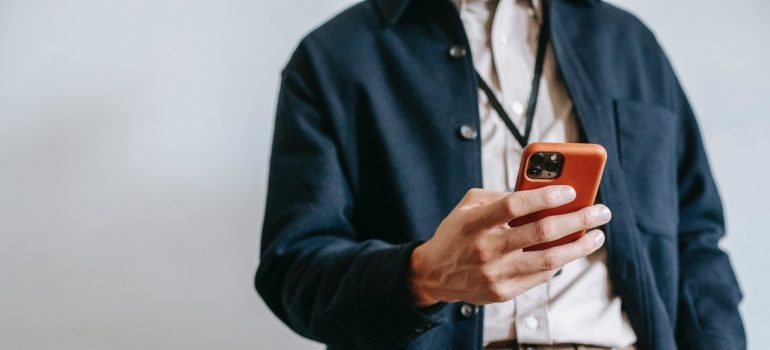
{"type": "Point", "coordinates": [367, 160]}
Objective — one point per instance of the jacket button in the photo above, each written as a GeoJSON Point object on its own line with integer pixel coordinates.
{"type": "Point", "coordinates": [468, 132]}
{"type": "Point", "coordinates": [458, 51]}
{"type": "Point", "coordinates": [467, 310]}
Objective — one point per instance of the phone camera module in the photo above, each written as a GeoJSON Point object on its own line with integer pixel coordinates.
{"type": "Point", "coordinates": [545, 165]}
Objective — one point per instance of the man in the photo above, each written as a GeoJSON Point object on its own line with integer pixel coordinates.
{"type": "Point", "coordinates": [392, 118]}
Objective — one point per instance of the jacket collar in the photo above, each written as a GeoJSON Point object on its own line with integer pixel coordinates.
{"type": "Point", "coordinates": [391, 10]}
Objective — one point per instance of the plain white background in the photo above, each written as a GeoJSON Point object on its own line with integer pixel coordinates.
{"type": "Point", "coordinates": [134, 138]}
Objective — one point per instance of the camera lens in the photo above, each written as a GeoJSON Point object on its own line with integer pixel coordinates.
{"type": "Point", "coordinates": [537, 158]}
{"type": "Point", "coordinates": [535, 171]}
{"type": "Point", "coordinates": [551, 166]}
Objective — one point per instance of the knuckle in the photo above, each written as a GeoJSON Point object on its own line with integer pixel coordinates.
{"type": "Point", "coordinates": [481, 253]}
{"type": "Point", "coordinates": [469, 224]}
{"type": "Point", "coordinates": [543, 230]}
{"type": "Point", "coordinates": [487, 277]}
{"type": "Point", "coordinates": [469, 194]}
{"type": "Point", "coordinates": [498, 294]}
{"type": "Point", "coordinates": [585, 219]}
{"type": "Point", "coordinates": [550, 262]}
{"type": "Point", "coordinates": [513, 204]}
{"type": "Point", "coordinates": [548, 198]}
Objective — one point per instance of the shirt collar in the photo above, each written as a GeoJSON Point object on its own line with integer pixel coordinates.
{"type": "Point", "coordinates": [530, 5]}
{"type": "Point", "coordinates": [533, 4]}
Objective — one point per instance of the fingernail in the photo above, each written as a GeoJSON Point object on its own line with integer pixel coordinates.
{"type": "Point", "coordinates": [598, 238]}
{"type": "Point", "coordinates": [567, 193]}
{"type": "Point", "coordinates": [603, 213]}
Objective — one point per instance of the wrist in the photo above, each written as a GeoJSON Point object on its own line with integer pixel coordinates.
{"type": "Point", "coordinates": [418, 279]}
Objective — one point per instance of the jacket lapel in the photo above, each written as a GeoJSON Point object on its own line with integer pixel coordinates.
{"type": "Point", "coordinates": [596, 120]}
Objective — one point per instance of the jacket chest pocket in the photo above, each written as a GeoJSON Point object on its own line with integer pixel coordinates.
{"type": "Point", "coordinates": [646, 137]}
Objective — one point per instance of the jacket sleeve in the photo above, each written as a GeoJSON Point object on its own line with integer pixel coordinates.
{"type": "Point", "coordinates": [316, 273]}
{"type": "Point", "coordinates": [708, 315]}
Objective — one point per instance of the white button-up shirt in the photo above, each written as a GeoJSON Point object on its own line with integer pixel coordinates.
{"type": "Point", "coordinates": [576, 306]}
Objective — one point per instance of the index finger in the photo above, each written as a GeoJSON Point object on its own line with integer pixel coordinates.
{"type": "Point", "coordinates": [521, 203]}
{"type": "Point", "coordinates": [479, 196]}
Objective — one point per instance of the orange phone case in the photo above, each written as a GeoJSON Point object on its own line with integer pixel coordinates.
{"type": "Point", "coordinates": [582, 169]}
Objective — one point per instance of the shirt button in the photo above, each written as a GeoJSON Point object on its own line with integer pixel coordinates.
{"type": "Point", "coordinates": [531, 322]}
{"type": "Point", "coordinates": [468, 132]}
{"type": "Point", "coordinates": [458, 51]}
{"type": "Point", "coordinates": [467, 310]}
{"type": "Point", "coordinates": [517, 108]}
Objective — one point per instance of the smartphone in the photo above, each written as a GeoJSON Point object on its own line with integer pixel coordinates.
{"type": "Point", "coordinates": [579, 165]}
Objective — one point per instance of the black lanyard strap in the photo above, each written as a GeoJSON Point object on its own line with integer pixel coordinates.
{"type": "Point", "coordinates": [542, 43]}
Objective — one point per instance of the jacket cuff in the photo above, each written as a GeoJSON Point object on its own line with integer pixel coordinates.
{"type": "Point", "coordinates": [388, 302]}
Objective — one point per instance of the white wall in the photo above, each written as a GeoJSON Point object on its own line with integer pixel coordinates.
{"type": "Point", "coordinates": [134, 137]}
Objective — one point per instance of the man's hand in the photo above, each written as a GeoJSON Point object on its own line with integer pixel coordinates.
{"type": "Point", "coordinates": [475, 256]}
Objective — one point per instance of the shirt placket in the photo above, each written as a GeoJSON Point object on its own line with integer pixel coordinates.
{"type": "Point", "coordinates": [532, 324]}
{"type": "Point", "coordinates": [510, 66]}
{"type": "Point", "coordinates": [509, 35]}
